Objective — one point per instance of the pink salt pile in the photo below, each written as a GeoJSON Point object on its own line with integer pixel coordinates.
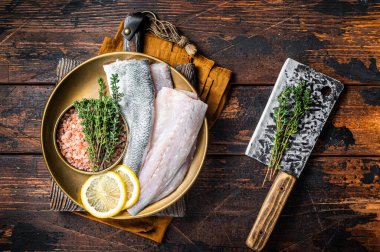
{"type": "Point", "coordinates": [71, 141]}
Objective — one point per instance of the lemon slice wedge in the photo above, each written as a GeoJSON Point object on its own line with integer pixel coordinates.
{"type": "Point", "coordinates": [131, 183]}
{"type": "Point", "coordinates": [104, 195]}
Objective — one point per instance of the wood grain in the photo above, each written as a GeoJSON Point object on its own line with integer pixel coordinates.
{"type": "Point", "coordinates": [334, 206]}
{"type": "Point", "coordinates": [352, 130]}
{"type": "Point", "coordinates": [264, 33]}
{"type": "Point", "coordinates": [270, 211]}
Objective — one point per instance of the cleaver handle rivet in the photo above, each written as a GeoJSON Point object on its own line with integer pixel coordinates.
{"type": "Point", "coordinates": [127, 31]}
{"type": "Point", "coordinates": [270, 211]}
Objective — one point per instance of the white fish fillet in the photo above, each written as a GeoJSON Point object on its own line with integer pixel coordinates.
{"type": "Point", "coordinates": [177, 124]}
{"type": "Point", "coordinates": [161, 76]}
{"type": "Point", "coordinates": [189, 93]}
{"type": "Point", "coordinates": [137, 106]}
{"type": "Point", "coordinates": [172, 185]}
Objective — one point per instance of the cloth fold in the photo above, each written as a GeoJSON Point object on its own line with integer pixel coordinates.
{"type": "Point", "coordinates": [153, 228]}
{"type": "Point", "coordinates": [213, 81]}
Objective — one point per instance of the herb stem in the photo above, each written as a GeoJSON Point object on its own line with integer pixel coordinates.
{"type": "Point", "coordinates": [101, 123]}
{"type": "Point", "coordinates": [294, 101]}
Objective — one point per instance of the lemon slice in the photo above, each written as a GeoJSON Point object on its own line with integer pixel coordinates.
{"type": "Point", "coordinates": [132, 184]}
{"type": "Point", "coordinates": [104, 195]}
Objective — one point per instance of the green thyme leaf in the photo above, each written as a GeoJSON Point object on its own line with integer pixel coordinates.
{"type": "Point", "coordinates": [101, 123]}
{"type": "Point", "coordinates": [293, 101]}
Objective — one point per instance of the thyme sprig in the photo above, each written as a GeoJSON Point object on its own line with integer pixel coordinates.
{"type": "Point", "coordinates": [294, 101]}
{"type": "Point", "coordinates": [101, 123]}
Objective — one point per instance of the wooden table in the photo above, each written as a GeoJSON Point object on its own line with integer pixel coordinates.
{"type": "Point", "coordinates": [335, 205]}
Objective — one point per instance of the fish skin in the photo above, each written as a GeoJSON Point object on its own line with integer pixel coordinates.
{"type": "Point", "coordinates": [161, 75]}
{"type": "Point", "coordinates": [137, 106]}
{"type": "Point", "coordinates": [177, 123]}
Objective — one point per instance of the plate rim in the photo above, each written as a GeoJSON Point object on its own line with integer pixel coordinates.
{"type": "Point", "coordinates": [205, 125]}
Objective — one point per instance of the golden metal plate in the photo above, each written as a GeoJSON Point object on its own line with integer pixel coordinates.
{"type": "Point", "coordinates": [80, 83]}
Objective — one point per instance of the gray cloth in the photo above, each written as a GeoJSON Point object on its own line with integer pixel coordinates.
{"type": "Point", "coordinates": [60, 202]}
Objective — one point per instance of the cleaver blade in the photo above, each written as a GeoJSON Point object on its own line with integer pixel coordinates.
{"type": "Point", "coordinates": [324, 93]}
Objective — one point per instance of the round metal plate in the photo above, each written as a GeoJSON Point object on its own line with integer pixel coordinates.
{"type": "Point", "coordinates": [80, 83]}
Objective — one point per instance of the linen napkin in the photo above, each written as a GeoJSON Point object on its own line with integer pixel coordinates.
{"type": "Point", "coordinates": [212, 81]}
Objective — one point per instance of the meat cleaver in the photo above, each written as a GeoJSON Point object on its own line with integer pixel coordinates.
{"type": "Point", "coordinates": [324, 93]}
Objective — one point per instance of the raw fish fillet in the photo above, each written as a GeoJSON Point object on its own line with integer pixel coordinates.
{"type": "Point", "coordinates": [177, 180]}
{"type": "Point", "coordinates": [188, 93]}
{"type": "Point", "coordinates": [137, 106]}
{"type": "Point", "coordinates": [177, 124]}
{"type": "Point", "coordinates": [161, 75]}
{"type": "Point", "coordinates": [171, 185]}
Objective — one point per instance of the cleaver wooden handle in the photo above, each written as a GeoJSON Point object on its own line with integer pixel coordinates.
{"type": "Point", "coordinates": [270, 211]}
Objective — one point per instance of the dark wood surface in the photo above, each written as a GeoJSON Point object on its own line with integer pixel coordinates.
{"type": "Point", "coordinates": [334, 206]}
